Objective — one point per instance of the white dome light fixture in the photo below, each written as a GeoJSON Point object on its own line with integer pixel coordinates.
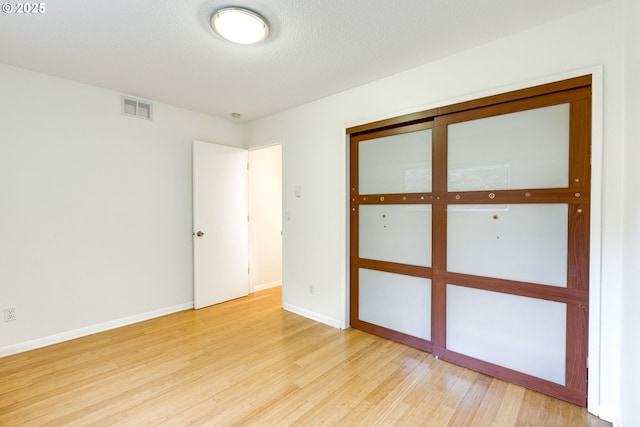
{"type": "Point", "coordinates": [239, 25]}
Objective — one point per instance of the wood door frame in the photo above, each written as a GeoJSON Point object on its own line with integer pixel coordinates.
{"type": "Point", "coordinates": [575, 90]}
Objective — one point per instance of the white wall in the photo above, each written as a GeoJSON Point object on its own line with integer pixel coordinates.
{"type": "Point", "coordinates": [95, 208]}
{"type": "Point", "coordinates": [630, 334]}
{"type": "Point", "coordinates": [315, 250]}
{"type": "Point", "coordinates": [265, 211]}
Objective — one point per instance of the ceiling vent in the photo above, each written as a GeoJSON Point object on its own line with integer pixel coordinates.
{"type": "Point", "coordinates": [137, 108]}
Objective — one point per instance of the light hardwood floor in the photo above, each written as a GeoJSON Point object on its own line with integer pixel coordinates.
{"type": "Point", "coordinates": [248, 362]}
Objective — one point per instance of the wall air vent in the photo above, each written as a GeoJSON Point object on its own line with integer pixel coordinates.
{"type": "Point", "coordinates": [137, 108]}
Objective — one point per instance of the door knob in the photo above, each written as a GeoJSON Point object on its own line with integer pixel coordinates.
{"type": "Point", "coordinates": [199, 234]}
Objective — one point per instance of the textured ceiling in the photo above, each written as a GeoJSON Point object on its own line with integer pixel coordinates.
{"type": "Point", "coordinates": [164, 50]}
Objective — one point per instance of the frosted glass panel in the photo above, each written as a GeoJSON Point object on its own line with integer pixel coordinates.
{"type": "Point", "coordinates": [520, 333]}
{"type": "Point", "coordinates": [395, 164]}
{"type": "Point", "coordinates": [395, 301]}
{"type": "Point", "coordinates": [517, 242]}
{"type": "Point", "coordinates": [527, 149]}
{"type": "Point", "coordinates": [396, 233]}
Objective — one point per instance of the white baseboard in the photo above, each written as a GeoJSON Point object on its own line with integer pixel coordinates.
{"type": "Point", "coordinates": [263, 286]}
{"type": "Point", "coordinates": [89, 330]}
{"type": "Point", "coordinates": [609, 413]}
{"type": "Point", "coordinates": [314, 316]}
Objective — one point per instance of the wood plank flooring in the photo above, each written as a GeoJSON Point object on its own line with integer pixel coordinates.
{"type": "Point", "coordinates": [250, 363]}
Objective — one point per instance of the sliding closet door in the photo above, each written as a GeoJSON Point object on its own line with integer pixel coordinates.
{"type": "Point", "coordinates": [392, 233]}
{"type": "Point", "coordinates": [469, 234]}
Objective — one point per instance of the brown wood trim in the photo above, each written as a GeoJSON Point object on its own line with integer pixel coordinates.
{"type": "Point", "coordinates": [558, 86]}
{"type": "Point", "coordinates": [354, 296]}
{"type": "Point", "coordinates": [353, 169]}
{"type": "Point", "coordinates": [578, 247]}
{"type": "Point", "coordinates": [438, 313]}
{"type": "Point", "coordinates": [392, 122]}
{"type": "Point", "coordinates": [393, 267]}
{"type": "Point", "coordinates": [398, 128]}
{"type": "Point", "coordinates": [353, 231]}
{"type": "Point", "coordinates": [564, 392]}
{"type": "Point", "coordinates": [475, 110]}
{"type": "Point", "coordinates": [513, 287]}
{"type": "Point", "coordinates": [576, 352]}
{"type": "Point", "coordinates": [393, 335]}
{"type": "Point", "coordinates": [439, 238]}
{"type": "Point", "coordinates": [439, 159]}
{"type": "Point", "coordinates": [580, 145]}
{"type": "Point", "coordinates": [528, 196]}
{"type": "Point", "coordinates": [393, 199]}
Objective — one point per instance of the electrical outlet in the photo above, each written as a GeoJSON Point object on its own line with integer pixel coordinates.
{"type": "Point", "coordinates": [9, 314]}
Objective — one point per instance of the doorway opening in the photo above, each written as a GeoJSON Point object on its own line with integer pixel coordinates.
{"type": "Point", "coordinates": [265, 213]}
{"type": "Point", "coordinates": [237, 221]}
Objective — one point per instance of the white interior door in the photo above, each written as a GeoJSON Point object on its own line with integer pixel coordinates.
{"type": "Point", "coordinates": [220, 223]}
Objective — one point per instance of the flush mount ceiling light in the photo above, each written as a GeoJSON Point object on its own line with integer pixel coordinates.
{"type": "Point", "coordinates": [239, 25]}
